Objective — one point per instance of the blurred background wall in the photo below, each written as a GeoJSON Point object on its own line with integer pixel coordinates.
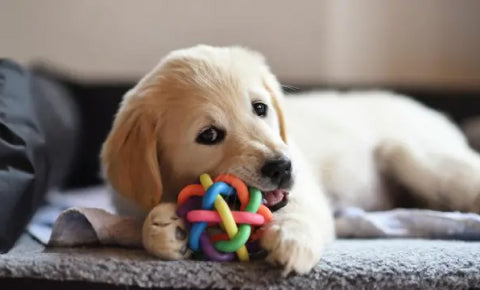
{"type": "Point", "coordinates": [430, 43]}
{"type": "Point", "coordinates": [97, 49]}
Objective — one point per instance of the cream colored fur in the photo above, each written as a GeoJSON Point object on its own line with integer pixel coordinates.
{"type": "Point", "coordinates": [353, 140]}
{"type": "Point", "coordinates": [341, 146]}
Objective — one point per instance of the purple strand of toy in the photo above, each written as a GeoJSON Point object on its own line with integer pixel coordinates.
{"type": "Point", "coordinates": [212, 253]}
{"type": "Point", "coordinates": [194, 202]}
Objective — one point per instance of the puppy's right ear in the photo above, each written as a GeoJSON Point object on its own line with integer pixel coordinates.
{"type": "Point", "coordinates": [129, 155]}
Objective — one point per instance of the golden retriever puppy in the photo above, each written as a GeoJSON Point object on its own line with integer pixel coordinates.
{"type": "Point", "coordinates": [214, 110]}
{"type": "Point", "coordinates": [220, 110]}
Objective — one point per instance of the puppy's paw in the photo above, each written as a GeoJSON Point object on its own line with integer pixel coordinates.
{"type": "Point", "coordinates": [293, 244]}
{"type": "Point", "coordinates": [164, 234]}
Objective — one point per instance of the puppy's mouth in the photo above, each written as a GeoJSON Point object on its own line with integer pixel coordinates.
{"type": "Point", "coordinates": [275, 199]}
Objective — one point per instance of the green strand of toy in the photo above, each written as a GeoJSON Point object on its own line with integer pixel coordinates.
{"type": "Point", "coordinates": [245, 230]}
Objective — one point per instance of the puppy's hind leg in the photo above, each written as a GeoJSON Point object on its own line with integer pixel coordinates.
{"type": "Point", "coordinates": [442, 178]}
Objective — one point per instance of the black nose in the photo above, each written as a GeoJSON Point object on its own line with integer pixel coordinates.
{"type": "Point", "coordinates": [278, 170]}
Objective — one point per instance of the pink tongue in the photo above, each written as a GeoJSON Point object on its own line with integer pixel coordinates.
{"type": "Point", "coordinates": [273, 197]}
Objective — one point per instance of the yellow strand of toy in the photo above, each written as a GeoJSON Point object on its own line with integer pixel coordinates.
{"type": "Point", "coordinates": [226, 216]}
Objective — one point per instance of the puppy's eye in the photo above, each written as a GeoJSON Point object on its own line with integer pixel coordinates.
{"type": "Point", "coordinates": [210, 136]}
{"type": "Point", "coordinates": [260, 109]}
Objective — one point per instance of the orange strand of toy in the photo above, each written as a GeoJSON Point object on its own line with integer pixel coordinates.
{"type": "Point", "coordinates": [239, 185]}
{"type": "Point", "coordinates": [219, 237]}
{"type": "Point", "coordinates": [189, 191]}
{"type": "Point", "coordinates": [243, 195]}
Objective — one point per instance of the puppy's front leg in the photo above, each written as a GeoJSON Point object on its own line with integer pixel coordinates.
{"type": "Point", "coordinates": [164, 234]}
{"type": "Point", "coordinates": [297, 235]}
{"type": "Point", "coordinates": [299, 232]}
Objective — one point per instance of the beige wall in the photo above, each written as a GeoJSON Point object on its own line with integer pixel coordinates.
{"type": "Point", "coordinates": [429, 42]}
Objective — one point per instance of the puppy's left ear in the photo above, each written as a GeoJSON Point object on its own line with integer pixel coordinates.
{"type": "Point", "coordinates": [129, 155]}
{"type": "Point", "coordinates": [273, 87]}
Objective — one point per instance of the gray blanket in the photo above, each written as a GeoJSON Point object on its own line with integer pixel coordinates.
{"type": "Point", "coordinates": [90, 222]}
{"type": "Point", "coordinates": [89, 226]}
{"type": "Point", "coordinates": [85, 225]}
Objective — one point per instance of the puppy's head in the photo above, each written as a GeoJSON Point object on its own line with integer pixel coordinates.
{"type": "Point", "coordinates": [201, 110]}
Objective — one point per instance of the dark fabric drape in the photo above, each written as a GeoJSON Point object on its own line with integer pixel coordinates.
{"type": "Point", "coordinates": [38, 131]}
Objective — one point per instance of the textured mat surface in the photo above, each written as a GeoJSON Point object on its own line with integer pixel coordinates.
{"type": "Point", "coordinates": [413, 264]}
